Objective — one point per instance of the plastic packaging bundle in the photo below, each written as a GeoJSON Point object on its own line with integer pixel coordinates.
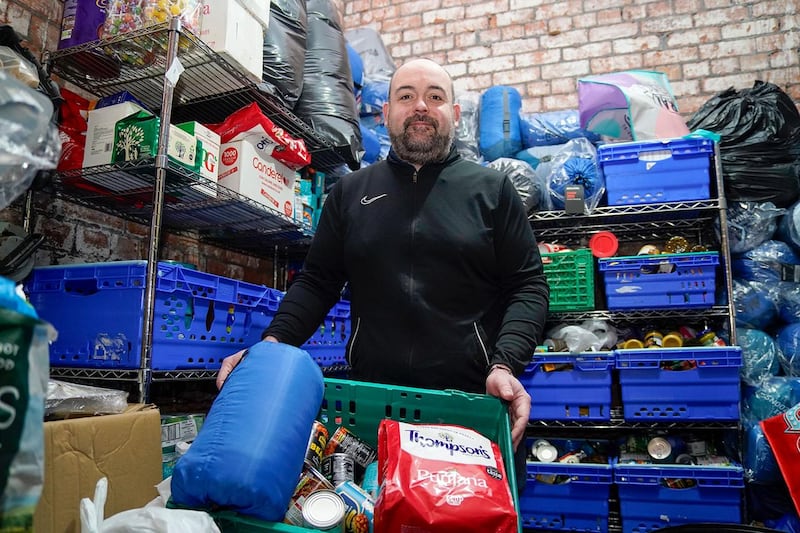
{"type": "Point", "coordinates": [760, 142]}
{"type": "Point", "coordinates": [374, 94]}
{"type": "Point", "coordinates": [789, 350]}
{"type": "Point", "coordinates": [24, 387]}
{"type": "Point", "coordinates": [554, 127]}
{"type": "Point", "coordinates": [28, 138]}
{"type": "Point", "coordinates": [759, 355]}
{"type": "Point", "coordinates": [576, 164]}
{"type": "Point", "coordinates": [530, 189]}
{"type": "Point", "coordinates": [500, 134]}
{"type": "Point", "coordinates": [466, 138]}
{"type": "Point", "coordinates": [770, 261]}
{"type": "Point", "coordinates": [327, 102]}
{"type": "Point", "coordinates": [758, 461]}
{"type": "Point", "coordinates": [788, 227]}
{"type": "Point", "coordinates": [771, 396]}
{"type": "Point", "coordinates": [285, 49]}
{"type": "Point", "coordinates": [750, 224]}
{"type": "Point", "coordinates": [788, 301]}
{"type": "Point", "coordinates": [756, 303]}
{"type": "Point", "coordinates": [378, 63]}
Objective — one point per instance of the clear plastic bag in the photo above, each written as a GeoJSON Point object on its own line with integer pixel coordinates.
{"type": "Point", "coordinates": [28, 138]}
{"type": "Point", "coordinates": [576, 164]}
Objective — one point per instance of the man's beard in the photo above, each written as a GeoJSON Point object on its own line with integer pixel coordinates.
{"type": "Point", "coordinates": [420, 149]}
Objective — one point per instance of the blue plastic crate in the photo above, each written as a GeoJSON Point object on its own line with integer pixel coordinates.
{"type": "Point", "coordinates": [669, 170]}
{"type": "Point", "coordinates": [580, 393]}
{"type": "Point", "coordinates": [709, 391]}
{"type": "Point", "coordinates": [327, 345]}
{"type": "Point", "coordinates": [97, 308]}
{"type": "Point", "coordinates": [581, 504]}
{"type": "Point", "coordinates": [647, 502]}
{"type": "Point", "coordinates": [660, 281]}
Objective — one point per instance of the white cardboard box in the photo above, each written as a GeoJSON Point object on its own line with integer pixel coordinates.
{"type": "Point", "coordinates": [263, 179]}
{"type": "Point", "coordinates": [100, 132]}
{"type": "Point", "coordinates": [259, 9]}
{"type": "Point", "coordinates": [231, 31]}
{"type": "Point", "coordinates": [207, 152]}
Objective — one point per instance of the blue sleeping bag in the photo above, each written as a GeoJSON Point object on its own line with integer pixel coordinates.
{"type": "Point", "coordinates": [249, 453]}
{"type": "Point", "coordinates": [499, 123]}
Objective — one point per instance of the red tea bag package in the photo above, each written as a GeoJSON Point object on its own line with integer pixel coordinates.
{"type": "Point", "coordinates": [783, 434]}
{"type": "Point", "coordinates": [441, 478]}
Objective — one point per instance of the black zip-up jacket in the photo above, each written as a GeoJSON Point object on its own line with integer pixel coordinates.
{"type": "Point", "coordinates": [445, 275]}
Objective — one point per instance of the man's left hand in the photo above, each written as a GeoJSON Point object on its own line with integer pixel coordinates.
{"type": "Point", "coordinates": [502, 384]}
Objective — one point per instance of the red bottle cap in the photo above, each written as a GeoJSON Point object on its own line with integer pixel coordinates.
{"type": "Point", "coordinates": [604, 244]}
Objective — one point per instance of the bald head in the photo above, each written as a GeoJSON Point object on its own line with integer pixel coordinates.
{"type": "Point", "coordinates": [427, 67]}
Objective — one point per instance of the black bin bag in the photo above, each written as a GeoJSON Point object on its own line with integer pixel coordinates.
{"type": "Point", "coordinates": [285, 50]}
{"type": "Point", "coordinates": [328, 102]}
{"type": "Point", "coordinates": [759, 145]}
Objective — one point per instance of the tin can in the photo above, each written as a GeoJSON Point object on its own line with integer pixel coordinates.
{"type": "Point", "coordinates": [684, 459]}
{"type": "Point", "coordinates": [713, 460]}
{"type": "Point", "coordinates": [370, 482]}
{"type": "Point", "coordinates": [338, 468]}
{"type": "Point", "coordinates": [676, 245]}
{"type": "Point", "coordinates": [659, 449]}
{"type": "Point", "coordinates": [311, 481]}
{"type": "Point", "coordinates": [344, 441]}
{"type": "Point", "coordinates": [653, 339]}
{"type": "Point", "coordinates": [648, 249]}
{"type": "Point", "coordinates": [673, 339]}
{"type": "Point", "coordinates": [324, 510]}
{"type": "Point", "coordinates": [632, 344]}
{"type": "Point", "coordinates": [572, 457]}
{"type": "Point", "coordinates": [696, 447]}
{"type": "Point", "coordinates": [544, 452]}
{"type": "Point", "coordinates": [317, 441]}
{"type": "Point", "coordinates": [709, 338]}
{"type": "Point", "coordinates": [359, 507]}
{"type": "Point", "coordinates": [687, 333]}
{"type": "Point", "coordinates": [556, 345]}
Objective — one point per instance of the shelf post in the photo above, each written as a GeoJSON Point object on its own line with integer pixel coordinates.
{"type": "Point", "coordinates": [161, 165]}
{"type": "Point", "coordinates": [724, 244]}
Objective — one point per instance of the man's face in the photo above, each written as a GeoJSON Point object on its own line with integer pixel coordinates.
{"type": "Point", "coordinates": [420, 115]}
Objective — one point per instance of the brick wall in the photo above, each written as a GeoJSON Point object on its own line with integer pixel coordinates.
{"type": "Point", "coordinates": [541, 47]}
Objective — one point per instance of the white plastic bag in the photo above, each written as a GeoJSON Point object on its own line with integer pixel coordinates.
{"type": "Point", "coordinates": [152, 518]}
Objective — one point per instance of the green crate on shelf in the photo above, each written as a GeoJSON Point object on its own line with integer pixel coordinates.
{"type": "Point", "coordinates": [360, 407]}
{"type": "Point", "coordinates": [571, 279]}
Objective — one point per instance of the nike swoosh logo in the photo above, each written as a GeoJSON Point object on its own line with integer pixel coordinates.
{"type": "Point", "coordinates": [367, 201]}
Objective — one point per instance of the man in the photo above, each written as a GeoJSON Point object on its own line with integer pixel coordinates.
{"type": "Point", "coordinates": [446, 282]}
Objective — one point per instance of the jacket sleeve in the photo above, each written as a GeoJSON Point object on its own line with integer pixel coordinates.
{"type": "Point", "coordinates": [318, 286]}
{"type": "Point", "coordinates": [525, 292]}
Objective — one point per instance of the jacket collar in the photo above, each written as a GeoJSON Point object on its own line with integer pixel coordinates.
{"type": "Point", "coordinates": [451, 157]}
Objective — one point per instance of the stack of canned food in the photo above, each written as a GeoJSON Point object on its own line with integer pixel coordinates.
{"type": "Point", "coordinates": [670, 449]}
{"type": "Point", "coordinates": [338, 485]}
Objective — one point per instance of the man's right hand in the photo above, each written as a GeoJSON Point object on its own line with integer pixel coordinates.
{"type": "Point", "coordinates": [230, 362]}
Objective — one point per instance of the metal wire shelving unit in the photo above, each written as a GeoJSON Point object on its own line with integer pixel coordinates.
{"type": "Point", "coordinates": [179, 78]}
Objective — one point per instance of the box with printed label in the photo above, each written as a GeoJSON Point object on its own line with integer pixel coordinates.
{"type": "Point", "coordinates": [207, 155]}
{"type": "Point", "coordinates": [136, 137]}
{"type": "Point", "coordinates": [230, 30]}
{"type": "Point", "coordinates": [100, 132]}
{"type": "Point", "coordinates": [269, 182]}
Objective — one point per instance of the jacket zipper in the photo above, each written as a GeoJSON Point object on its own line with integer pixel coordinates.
{"type": "Point", "coordinates": [480, 341]}
{"type": "Point", "coordinates": [412, 230]}
{"type": "Point", "coordinates": [353, 337]}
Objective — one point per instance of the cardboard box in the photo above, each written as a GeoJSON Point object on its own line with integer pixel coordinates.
{"type": "Point", "coordinates": [136, 137]}
{"type": "Point", "coordinates": [100, 132]}
{"type": "Point", "coordinates": [207, 154]}
{"type": "Point", "coordinates": [259, 9]}
{"type": "Point", "coordinates": [269, 182]}
{"type": "Point", "coordinates": [125, 448]}
{"type": "Point", "coordinates": [232, 32]}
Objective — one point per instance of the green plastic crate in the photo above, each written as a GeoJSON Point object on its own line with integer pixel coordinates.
{"type": "Point", "coordinates": [571, 279]}
{"type": "Point", "coordinates": [361, 406]}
